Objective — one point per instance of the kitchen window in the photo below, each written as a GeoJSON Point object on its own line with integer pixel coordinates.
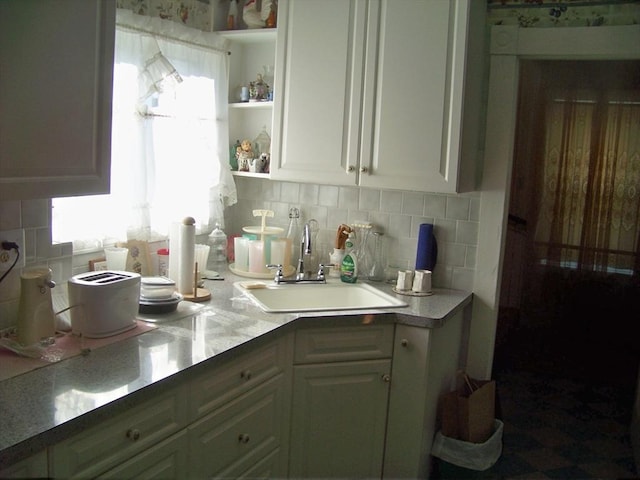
{"type": "Point", "coordinates": [169, 130]}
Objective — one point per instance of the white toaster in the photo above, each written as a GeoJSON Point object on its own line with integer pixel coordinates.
{"type": "Point", "coordinates": [103, 303]}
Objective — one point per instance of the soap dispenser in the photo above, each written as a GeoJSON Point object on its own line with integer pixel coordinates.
{"type": "Point", "coordinates": [349, 268]}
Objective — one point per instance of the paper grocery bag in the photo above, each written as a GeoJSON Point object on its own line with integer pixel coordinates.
{"type": "Point", "coordinates": [468, 413]}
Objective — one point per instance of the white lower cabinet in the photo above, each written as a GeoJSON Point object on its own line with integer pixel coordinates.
{"type": "Point", "coordinates": [349, 397]}
{"type": "Point", "coordinates": [340, 395]}
{"type": "Point", "coordinates": [34, 466]}
{"type": "Point", "coordinates": [167, 459]}
{"type": "Point", "coordinates": [233, 440]}
{"type": "Point", "coordinates": [114, 441]}
{"type": "Point", "coordinates": [339, 419]}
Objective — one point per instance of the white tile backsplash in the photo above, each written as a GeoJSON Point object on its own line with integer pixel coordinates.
{"type": "Point", "coordinates": [398, 213]}
{"type": "Point", "coordinates": [457, 208]}
{"type": "Point", "coordinates": [369, 200]}
{"type": "Point", "coordinates": [435, 206]}
{"type": "Point", "coordinates": [412, 203]}
{"type": "Point", "coordinates": [34, 217]}
{"type": "Point", "coordinates": [391, 202]}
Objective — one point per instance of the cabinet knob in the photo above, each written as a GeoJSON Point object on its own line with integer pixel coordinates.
{"type": "Point", "coordinates": [364, 169]}
{"type": "Point", "coordinates": [350, 168]}
{"type": "Point", "coordinates": [244, 438]}
{"type": "Point", "coordinates": [386, 378]}
{"type": "Point", "coordinates": [246, 374]}
{"type": "Point", "coordinates": [404, 342]}
{"type": "Point", "coordinates": [133, 434]}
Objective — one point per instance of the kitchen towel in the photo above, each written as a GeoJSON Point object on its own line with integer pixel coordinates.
{"type": "Point", "coordinates": [427, 253]}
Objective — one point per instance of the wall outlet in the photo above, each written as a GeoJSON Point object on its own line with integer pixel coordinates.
{"type": "Point", "coordinates": [7, 257]}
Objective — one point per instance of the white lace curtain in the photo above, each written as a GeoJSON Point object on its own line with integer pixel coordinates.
{"type": "Point", "coordinates": [169, 138]}
{"type": "Point", "coordinates": [589, 180]}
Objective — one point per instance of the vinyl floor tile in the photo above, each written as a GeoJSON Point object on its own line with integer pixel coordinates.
{"type": "Point", "coordinates": [558, 428]}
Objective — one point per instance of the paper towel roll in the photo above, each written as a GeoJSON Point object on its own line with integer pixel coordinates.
{"type": "Point", "coordinates": [174, 248]}
{"type": "Point", "coordinates": [182, 244]}
{"type": "Point", "coordinates": [427, 253]}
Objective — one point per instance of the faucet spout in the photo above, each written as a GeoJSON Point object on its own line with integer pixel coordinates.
{"type": "Point", "coordinates": [305, 249]}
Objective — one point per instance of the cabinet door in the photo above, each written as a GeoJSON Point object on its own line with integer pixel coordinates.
{"type": "Point", "coordinates": [318, 90]}
{"type": "Point", "coordinates": [168, 459]}
{"type": "Point", "coordinates": [56, 61]}
{"type": "Point", "coordinates": [412, 111]}
{"type": "Point", "coordinates": [339, 418]}
{"type": "Point", "coordinates": [425, 362]}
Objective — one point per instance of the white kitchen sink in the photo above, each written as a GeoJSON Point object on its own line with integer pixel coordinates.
{"type": "Point", "coordinates": [318, 297]}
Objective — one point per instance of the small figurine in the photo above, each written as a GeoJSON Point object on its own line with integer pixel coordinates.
{"type": "Point", "coordinates": [258, 90]}
{"type": "Point", "coordinates": [264, 162]}
{"type": "Point", "coordinates": [260, 164]}
{"type": "Point", "coordinates": [255, 18]}
{"type": "Point", "coordinates": [244, 154]}
{"type": "Point", "coordinates": [251, 15]}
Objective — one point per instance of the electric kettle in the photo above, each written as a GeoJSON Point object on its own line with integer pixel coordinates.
{"type": "Point", "coordinates": [36, 319]}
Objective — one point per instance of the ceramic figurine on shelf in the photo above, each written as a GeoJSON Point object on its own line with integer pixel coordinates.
{"type": "Point", "coordinates": [265, 17]}
{"type": "Point", "coordinates": [244, 154]}
{"type": "Point", "coordinates": [269, 8]}
{"type": "Point", "coordinates": [258, 90]}
{"type": "Point", "coordinates": [233, 15]}
{"type": "Point", "coordinates": [251, 15]}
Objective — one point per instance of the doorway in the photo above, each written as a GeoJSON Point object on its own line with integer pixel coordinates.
{"type": "Point", "coordinates": [564, 310]}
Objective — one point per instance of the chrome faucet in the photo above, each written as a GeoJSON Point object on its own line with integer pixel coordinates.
{"type": "Point", "coordinates": [301, 276]}
{"type": "Point", "coordinates": [305, 249]}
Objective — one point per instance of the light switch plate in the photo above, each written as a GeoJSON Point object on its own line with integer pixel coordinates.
{"type": "Point", "coordinates": [7, 257]}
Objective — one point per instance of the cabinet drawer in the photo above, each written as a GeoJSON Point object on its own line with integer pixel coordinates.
{"type": "Point", "coordinates": [240, 434]}
{"type": "Point", "coordinates": [228, 380]}
{"type": "Point", "coordinates": [168, 459]}
{"type": "Point", "coordinates": [34, 466]}
{"type": "Point", "coordinates": [339, 344]}
{"type": "Point", "coordinates": [111, 442]}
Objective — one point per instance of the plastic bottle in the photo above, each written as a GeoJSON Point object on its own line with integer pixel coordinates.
{"type": "Point", "coordinates": [218, 254]}
{"type": "Point", "coordinates": [349, 268]}
{"type": "Point", "coordinates": [336, 260]}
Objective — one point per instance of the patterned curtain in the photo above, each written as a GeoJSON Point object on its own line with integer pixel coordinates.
{"type": "Point", "coordinates": [589, 210]}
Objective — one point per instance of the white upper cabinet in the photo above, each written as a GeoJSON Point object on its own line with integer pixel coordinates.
{"type": "Point", "coordinates": [375, 92]}
{"type": "Point", "coordinates": [56, 72]}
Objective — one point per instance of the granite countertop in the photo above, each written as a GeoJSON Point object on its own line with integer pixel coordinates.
{"type": "Point", "coordinates": [47, 404]}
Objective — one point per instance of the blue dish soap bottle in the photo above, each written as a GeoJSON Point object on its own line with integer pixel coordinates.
{"type": "Point", "coordinates": [349, 267]}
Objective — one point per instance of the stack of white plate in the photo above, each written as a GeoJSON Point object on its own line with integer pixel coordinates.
{"type": "Point", "coordinates": [158, 295]}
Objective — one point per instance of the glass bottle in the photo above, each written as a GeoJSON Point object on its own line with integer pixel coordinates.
{"type": "Point", "coordinates": [378, 266]}
{"type": "Point", "coordinates": [218, 254]}
{"type": "Point", "coordinates": [263, 142]}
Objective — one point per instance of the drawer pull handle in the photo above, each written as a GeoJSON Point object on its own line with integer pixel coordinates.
{"type": "Point", "coordinates": [404, 342]}
{"type": "Point", "coordinates": [386, 378]}
{"type": "Point", "coordinates": [364, 169]}
{"type": "Point", "coordinates": [244, 438]}
{"type": "Point", "coordinates": [246, 374]}
{"type": "Point", "coordinates": [133, 434]}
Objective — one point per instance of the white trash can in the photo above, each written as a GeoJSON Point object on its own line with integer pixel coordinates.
{"type": "Point", "coordinates": [474, 456]}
